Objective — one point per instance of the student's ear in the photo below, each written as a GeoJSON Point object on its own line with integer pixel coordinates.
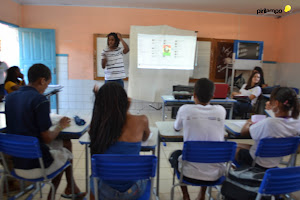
{"type": "Point", "coordinates": [195, 98]}
{"type": "Point", "coordinates": [43, 81]}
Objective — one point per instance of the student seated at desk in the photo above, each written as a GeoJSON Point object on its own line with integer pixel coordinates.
{"type": "Point", "coordinates": [262, 80]}
{"type": "Point", "coordinates": [248, 95]}
{"type": "Point", "coordinates": [115, 131]}
{"type": "Point", "coordinates": [200, 122]}
{"type": "Point", "coordinates": [27, 113]}
{"type": "Point", "coordinates": [12, 82]}
{"type": "Point", "coordinates": [283, 101]}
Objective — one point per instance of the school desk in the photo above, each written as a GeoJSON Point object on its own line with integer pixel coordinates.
{"type": "Point", "coordinates": [169, 100]}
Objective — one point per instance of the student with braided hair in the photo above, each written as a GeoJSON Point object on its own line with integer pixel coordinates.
{"type": "Point", "coordinates": [115, 131]}
{"type": "Point", "coordinates": [284, 103]}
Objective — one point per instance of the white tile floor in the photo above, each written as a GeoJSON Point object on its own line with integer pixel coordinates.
{"type": "Point", "coordinates": [165, 173]}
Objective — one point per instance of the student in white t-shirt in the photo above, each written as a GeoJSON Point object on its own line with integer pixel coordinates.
{"type": "Point", "coordinates": [284, 103]}
{"type": "Point", "coordinates": [200, 122]}
{"type": "Point", "coordinates": [112, 58]}
{"type": "Point", "coordinates": [252, 90]}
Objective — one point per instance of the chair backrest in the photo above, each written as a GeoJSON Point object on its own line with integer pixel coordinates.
{"type": "Point", "coordinates": [123, 167]}
{"type": "Point", "coordinates": [20, 146]}
{"type": "Point", "coordinates": [208, 152]}
{"type": "Point", "coordinates": [280, 181]}
{"type": "Point", "coordinates": [277, 147]}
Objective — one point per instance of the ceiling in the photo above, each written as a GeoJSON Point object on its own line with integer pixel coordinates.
{"type": "Point", "coordinates": [248, 7]}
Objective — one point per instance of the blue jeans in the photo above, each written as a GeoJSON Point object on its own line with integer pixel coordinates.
{"type": "Point", "coordinates": [105, 192]}
{"type": "Point", "coordinates": [240, 108]}
{"type": "Point", "coordinates": [120, 81]}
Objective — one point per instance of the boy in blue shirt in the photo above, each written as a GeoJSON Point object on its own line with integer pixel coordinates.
{"type": "Point", "coordinates": [27, 113]}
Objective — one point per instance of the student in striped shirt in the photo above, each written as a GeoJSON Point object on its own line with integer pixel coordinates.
{"type": "Point", "coordinates": [112, 58]}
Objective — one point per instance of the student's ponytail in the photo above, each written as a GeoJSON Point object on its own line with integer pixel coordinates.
{"type": "Point", "coordinates": [295, 106]}
{"type": "Point", "coordinates": [288, 98]}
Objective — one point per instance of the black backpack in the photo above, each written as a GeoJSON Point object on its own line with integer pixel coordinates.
{"type": "Point", "coordinates": [243, 184]}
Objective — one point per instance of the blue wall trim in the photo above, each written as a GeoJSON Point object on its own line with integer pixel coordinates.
{"type": "Point", "coordinates": [9, 24]}
{"type": "Point", "coordinates": [270, 62]}
{"type": "Point", "coordinates": [66, 55]}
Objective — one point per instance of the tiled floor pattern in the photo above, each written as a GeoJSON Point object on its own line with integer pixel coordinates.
{"type": "Point", "coordinates": [166, 172]}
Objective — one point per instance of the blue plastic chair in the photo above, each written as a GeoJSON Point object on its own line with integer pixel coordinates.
{"type": "Point", "coordinates": [26, 147]}
{"type": "Point", "coordinates": [120, 167]}
{"type": "Point", "coordinates": [205, 152]}
{"type": "Point", "coordinates": [278, 181]}
{"type": "Point", "coordinates": [277, 147]}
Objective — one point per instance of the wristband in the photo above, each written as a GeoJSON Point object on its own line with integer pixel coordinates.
{"type": "Point", "coordinates": [60, 128]}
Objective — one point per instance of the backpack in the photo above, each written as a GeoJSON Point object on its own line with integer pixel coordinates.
{"type": "Point", "coordinates": [238, 81]}
{"type": "Point", "coordinates": [243, 184]}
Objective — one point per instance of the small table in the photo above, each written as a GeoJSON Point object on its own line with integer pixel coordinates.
{"type": "Point", "coordinates": [169, 100]}
{"type": "Point", "coordinates": [53, 90]}
{"type": "Point", "coordinates": [148, 145]}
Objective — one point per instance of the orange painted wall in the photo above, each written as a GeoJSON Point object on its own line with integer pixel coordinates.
{"type": "Point", "coordinates": [75, 27]}
{"type": "Point", "coordinates": [10, 12]}
{"type": "Point", "coordinates": [289, 43]}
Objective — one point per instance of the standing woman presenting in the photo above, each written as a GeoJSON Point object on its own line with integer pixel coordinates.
{"type": "Point", "coordinates": [112, 59]}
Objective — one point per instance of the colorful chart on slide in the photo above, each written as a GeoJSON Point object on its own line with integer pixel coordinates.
{"type": "Point", "coordinates": [166, 51]}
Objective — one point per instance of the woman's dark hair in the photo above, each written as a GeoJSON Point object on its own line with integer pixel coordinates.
{"type": "Point", "coordinates": [259, 69]}
{"type": "Point", "coordinates": [204, 90]}
{"type": "Point", "coordinates": [248, 86]}
{"type": "Point", "coordinates": [109, 116]}
{"type": "Point", "coordinates": [37, 71]}
{"type": "Point", "coordinates": [11, 74]}
{"type": "Point", "coordinates": [117, 40]}
{"type": "Point", "coordinates": [288, 98]}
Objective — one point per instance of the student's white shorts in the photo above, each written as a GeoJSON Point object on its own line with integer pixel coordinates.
{"type": "Point", "coordinates": [60, 155]}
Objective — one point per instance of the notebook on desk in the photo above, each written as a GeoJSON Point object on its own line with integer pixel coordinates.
{"type": "Point", "coordinates": [221, 90]}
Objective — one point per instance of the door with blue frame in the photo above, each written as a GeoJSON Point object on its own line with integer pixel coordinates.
{"type": "Point", "coordinates": [38, 46]}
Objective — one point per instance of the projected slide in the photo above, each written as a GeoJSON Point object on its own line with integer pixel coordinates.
{"type": "Point", "coordinates": [166, 51]}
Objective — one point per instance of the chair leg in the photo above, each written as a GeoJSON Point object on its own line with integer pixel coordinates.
{"type": "Point", "coordinates": [72, 183]}
{"type": "Point", "coordinates": [95, 188]}
{"type": "Point", "coordinates": [2, 185]}
{"type": "Point", "coordinates": [52, 190]}
{"type": "Point", "coordinates": [258, 197]}
{"type": "Point", "coordinates": [209, 193]}
{"type": "Point", "coordinates": [172, 190]}
{"type": "Point", "coordinates": [173, 176]}
{"type": "Point", "coordinates": [22, 185]}
{"type": "Point", "coordinates": [40, 188]}
{"type": "Point", "coordinates": [7, 187]}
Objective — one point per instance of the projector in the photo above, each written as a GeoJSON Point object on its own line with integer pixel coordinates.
{"type": "Point", "coordinates": [183, 91]}
{"type": "Point", "coordinates": [182, 95]}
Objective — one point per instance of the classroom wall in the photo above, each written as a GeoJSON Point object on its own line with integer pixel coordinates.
{"type": "Point", "coordinates": [288, 54]}
{"type": "Point", "coordinates": [75, 27]}
{"type": "Point", "coordinates": [10, 12]}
